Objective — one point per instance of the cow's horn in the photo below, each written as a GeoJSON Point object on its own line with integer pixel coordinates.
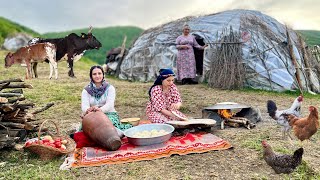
{"type": "Point", "coordinates": [90, 30]}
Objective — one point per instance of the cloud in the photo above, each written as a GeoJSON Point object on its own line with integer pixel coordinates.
{"type": "Point", "coordinates": [61, 15]}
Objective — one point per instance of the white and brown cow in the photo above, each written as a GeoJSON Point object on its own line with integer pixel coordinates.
{"type": "Point", "coordinates": [34, 53]}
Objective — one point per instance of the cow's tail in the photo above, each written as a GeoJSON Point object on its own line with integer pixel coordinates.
{"type": "Point", "coordinates": [104, 67]}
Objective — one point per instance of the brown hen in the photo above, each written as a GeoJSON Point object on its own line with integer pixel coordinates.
{"type": "Point", "coordinates": [305, 127]}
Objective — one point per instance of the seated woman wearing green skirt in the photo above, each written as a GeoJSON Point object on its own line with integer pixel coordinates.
{"type": "Point", "coordinates": [100, 95]}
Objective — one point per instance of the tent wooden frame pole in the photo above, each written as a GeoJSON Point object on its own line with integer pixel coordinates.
{"type": "Point", "coordinates": [293, 59]}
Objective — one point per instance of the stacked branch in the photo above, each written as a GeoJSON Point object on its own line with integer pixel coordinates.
{"type": "Point", "coordinates": [16, 116]}
{"type": "Point", "coordinates": [227, 69]}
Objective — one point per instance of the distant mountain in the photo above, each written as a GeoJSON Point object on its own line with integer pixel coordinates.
{"type": "Point", "coordinates": [312, 37]}
{"type": "Point", "coordinates": [8, 28]}
{"type": "Point", "coordinates": [109, 37]}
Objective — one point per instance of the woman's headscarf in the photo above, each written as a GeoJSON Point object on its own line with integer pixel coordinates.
{"type": "Point", "coordinates": [164, 74]}
{"type": "Point", "coordinates": [94, 91]}
{"type": "Point", "coordinates": [185, 26]}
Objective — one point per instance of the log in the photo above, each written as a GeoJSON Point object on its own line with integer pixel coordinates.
{"type": "Point", "coordinates": [2, 86]}
{"type": "Point", "coordinates": [20, 91]}
{"type": "Point", "coordinates": [12, 114]}
{"type": "Point", "coordinates": [25, 106]}
{"type": "Point", "coordinates": [233, 124]}
{"type": "Point", "coordinates": [14, 132]}
{"type": "Point", "coordinates": [11, 80]}
{"type": "Point", "coordinates": [13, 125]}
{"type": "Point", "coordinates": [20, 120]}
{"type": "Point", "coordinates": [29, 86]}
{"type": "Point", "coordinates": [294, 60]}
{"type": "Point", "coordinates": [6, 107]}
{"type": "Point", "coordinates": [17, 99]}
{"type": "Point", "coordinates": [44, 108]}
{"type": "Point", "coordinates": [3, 100]}
{"type": "Point", "coordinates": [241, 121]}
{"type": "Point", "coordinates": [11, 95]}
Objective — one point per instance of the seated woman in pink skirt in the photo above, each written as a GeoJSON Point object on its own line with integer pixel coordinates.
{"type": "Point", "coordinates": [164, 98]}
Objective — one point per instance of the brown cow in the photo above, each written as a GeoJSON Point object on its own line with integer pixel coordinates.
{"type": "Point", "coordinates": [34, 53]}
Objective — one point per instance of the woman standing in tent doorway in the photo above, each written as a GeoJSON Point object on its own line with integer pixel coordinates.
{"type": "Point", "coordinates": [164, 99]}
{"type": "Point", "coordinates": [186, 63]}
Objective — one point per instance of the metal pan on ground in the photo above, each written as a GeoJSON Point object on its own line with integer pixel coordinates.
{"type": "Point", "coordinates": [144, 141]}
{"type": "Point", "coordinates": [227, 105]}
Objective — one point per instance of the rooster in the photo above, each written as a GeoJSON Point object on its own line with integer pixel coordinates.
{"type": "Point", "coordinates": [305, 127]}
{"type": "Point", "coordinates": [281, 116]}
{"type": "Point", "coordinates": [281, 163]}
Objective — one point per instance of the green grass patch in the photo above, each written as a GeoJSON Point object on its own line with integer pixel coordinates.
{"type": "Point", "coordinates": [9, 28]}
{"type": "Point", "coordinates": [303, 172]}
{"type": "Point", "coordinates": [312, 37]}
{"type": "Point", "coordinates": [254, 142]}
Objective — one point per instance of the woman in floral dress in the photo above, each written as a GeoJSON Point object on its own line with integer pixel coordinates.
{"type": "Point", "coordinates": [186, 63]}
{"type": "Point", "coordinates": [164, 99]}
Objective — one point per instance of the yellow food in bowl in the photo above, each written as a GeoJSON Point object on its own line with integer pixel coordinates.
{"type": "Point", "coordinates": [149, 134]}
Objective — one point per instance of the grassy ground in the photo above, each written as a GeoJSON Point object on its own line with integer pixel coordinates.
{"type": "Point", "coordinates": [244, 161]}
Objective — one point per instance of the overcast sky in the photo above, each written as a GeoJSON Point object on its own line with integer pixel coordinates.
{"type": "Point", "coordinates": [61, 15]}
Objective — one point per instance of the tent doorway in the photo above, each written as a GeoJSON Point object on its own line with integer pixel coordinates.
{"type": "Point", "coordinates": [198, 54]}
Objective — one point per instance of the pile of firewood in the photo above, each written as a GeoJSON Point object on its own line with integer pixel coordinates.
{"type": "Point", "coordinates": [17, 118]}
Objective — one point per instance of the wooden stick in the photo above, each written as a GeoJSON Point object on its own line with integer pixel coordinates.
{"type": "Point", "coordinates": [10, 95]}
{"type": "Point", "coordinates": [11, 80]}
{"type": "Point", "coordinates": [13, 125]}
{"type": "Point", "coordinates": [17, 99]}
{"type": "Point", "coordinates": [44, 108]}
{"type": "Point", "coordinates": [242, 121]}
{"type": "Point", "coordinates": [6, 107]}
{"type": "Point", "coordinates": [29, 86]}
{"type": "Point", "coordinates": [20, 91]}
{"type": "Point", "coordinates": [233, 124]}
{"type": "Point", "coordinates": [306, 62]}
{"type": "Point", "coordinates": [2, 86]}
{"type": "Point", "coordinates": [294, 60]}
{"type": "Point", "coordinates": [12, 114]}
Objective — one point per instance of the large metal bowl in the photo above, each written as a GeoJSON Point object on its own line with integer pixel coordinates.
{"type": "Point", "coordinates": [148, 141]}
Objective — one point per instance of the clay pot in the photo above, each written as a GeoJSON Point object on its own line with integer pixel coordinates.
{"type": "Point", "coordinates": [100, 129]}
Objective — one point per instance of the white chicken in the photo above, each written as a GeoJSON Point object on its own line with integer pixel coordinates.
{"type": "Point", "coordinates": [281, 116]}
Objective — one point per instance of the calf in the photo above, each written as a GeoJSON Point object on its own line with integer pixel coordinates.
{"type": "Point", "coordinates": [34, 53]}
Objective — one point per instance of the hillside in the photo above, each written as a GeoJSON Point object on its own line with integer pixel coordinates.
{"type": "Point", "coordinates": [8, 28]}
{"type": "Point", "coordinates": [109, 37]}
{"type": "Point", "coordinates": [312, 37]}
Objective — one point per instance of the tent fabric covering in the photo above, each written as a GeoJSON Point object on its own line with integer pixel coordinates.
{"type": "Point", "coordinates": [264, 50]}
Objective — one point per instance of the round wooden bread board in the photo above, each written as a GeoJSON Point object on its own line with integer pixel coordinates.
{"type": "Point", "coordinates": [126, 120]}
{"type": "Point", "coordinates": [192, 122]}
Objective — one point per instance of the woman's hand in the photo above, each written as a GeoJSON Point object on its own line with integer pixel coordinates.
{"type": "Point", "coordinates": [184, 47]}
{"type": "Point", "coordinates": [93, 109]}
{"type": "Point", "coordinates": [206, 45]}
{"type": "Point", "coordinates": [175, 106]}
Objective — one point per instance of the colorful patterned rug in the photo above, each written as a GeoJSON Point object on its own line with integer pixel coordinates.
{"type": "Point", "coordinates": [181, 145]}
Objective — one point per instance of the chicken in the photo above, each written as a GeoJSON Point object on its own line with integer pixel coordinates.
{"type": "Point", "coordinates": [280, 116]}
{"type": "Point", "coordinates": [305, 127]}
{"type": "Point", "coordinates": [281, 163]}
